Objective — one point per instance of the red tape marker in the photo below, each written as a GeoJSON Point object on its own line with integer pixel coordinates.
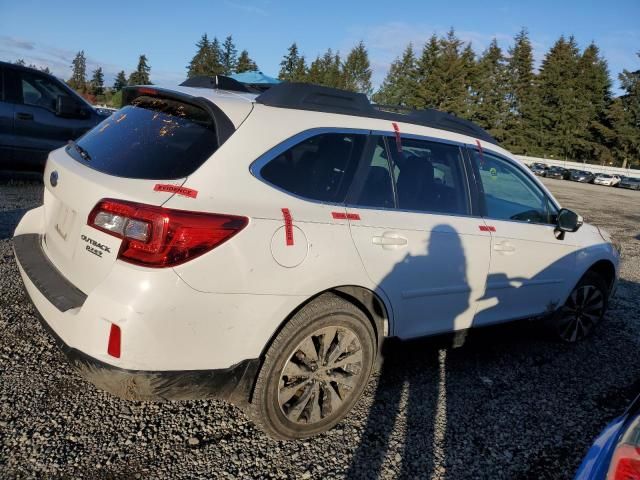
{"type": "Point", "coordinates": [345, 216]}
{"type": "Point", "coordinates": [480, 151]}
{"type": "Point", "coordinates": [177, 189]}
{"type": "Point", "coordinates": [288, 226]}
{"type": "Point", "coordinates": [487, 228]}
{"type": "Point", "coordinates": [398, 138]}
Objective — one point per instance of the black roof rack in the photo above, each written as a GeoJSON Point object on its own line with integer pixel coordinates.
{"type": "Point", "coordinates": [219, 82]}
{"type": "Point", "coordinates": [302, 96]}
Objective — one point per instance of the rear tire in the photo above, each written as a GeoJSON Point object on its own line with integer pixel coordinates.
{"type": "Point", "coordinates": [582, 312]}
{"type": "Point", "coordinates": [315, 370]}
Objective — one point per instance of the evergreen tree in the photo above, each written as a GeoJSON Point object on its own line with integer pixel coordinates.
{"type": "Point", "coordinates": [490, 93]}
{"type": "Point", "coordinates": [200, 62]}
{"type": "Point", "coordinates": [215, 66]}
{"type": "Point", "coordinates": [141, 75]}
{"type": "Point", "coordinates": [78, 80]}
{"type": "Point", "coordinates": [45, 69]}
{"type": "Point", "coordinates": [357, 70]}
{"type": "Point", "coordinates": [293, 67]}
{"type": "Point", "coordinates": [399, 86]}
{"type": "Point", "coordinates": [624, 117]}
{"type": "Point", "coordinates": [245, 64]}
{"type": "Point", "coordinates": [229, 58]}
{"type": "Point", "coordinates": [520, 98]}
{"type": "Point", "coordinates": [97, 82]}
{"type": "Point", "coordinates": [428, 86]}
{"type": "Point", "coordinates": [326, 70]}
{"type": "Point", "coordinates": [120, 82]}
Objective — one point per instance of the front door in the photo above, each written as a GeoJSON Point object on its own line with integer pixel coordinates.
{"type": "Point", "coordinates": [530, 266]}
{"type": "Point", "coordinates": [410, 223]}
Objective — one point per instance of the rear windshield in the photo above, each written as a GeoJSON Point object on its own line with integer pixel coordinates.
{"type": "Point", "coordinates": [152, 138]}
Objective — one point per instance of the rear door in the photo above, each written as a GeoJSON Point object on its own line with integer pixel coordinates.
{"type": "Point", "coordinates": [140, 153]}
{"type": "Point", "coordinates": [7, 138]}
{"type": "Point", "coordinates": [412, 225]}
{"type": "Point", "coordinates": [530, 265]}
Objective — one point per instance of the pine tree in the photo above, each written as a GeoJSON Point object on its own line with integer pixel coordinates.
{"type": "Point", "coordinates": [120, 82]}
{"type": "Point", "coordinates": [399, 86]}
{"type": "Point", "coordinates": [624, 117]}
{"type": "Point", "coordinates": [97, 82]}
{"type": "Point", "coordinates": [141, 75]}
{"type": "Point", "coordinates": [245, 63]}
{"type": "Point", "coordinates": [357, 70]}
{"type": "Point", "coordinates": [428, 83]}
{"type": "Point", "coordinates": [490, 93]}
{"type": "Point", "coordinates": [78, 80]}
{"type": "Point", "coordinates": [293, 67]}
{"type": "Point", "coordinates": [520, 98]}
{"type": "Point", "coordinates": [326, 70]}
{"type": "Point", "coordinates": [229, 58]}
{"type": "Point", "coordinates": [200, 62]}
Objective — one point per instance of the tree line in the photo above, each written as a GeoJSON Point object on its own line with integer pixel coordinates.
{"type": "Point", "coordinates": [565, 109]}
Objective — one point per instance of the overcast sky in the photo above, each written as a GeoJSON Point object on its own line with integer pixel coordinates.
{"type": "Point", "coordinates": [114, 33]}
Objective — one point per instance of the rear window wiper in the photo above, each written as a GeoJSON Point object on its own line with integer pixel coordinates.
{"type": "Point", "coordinates": [83, 153]}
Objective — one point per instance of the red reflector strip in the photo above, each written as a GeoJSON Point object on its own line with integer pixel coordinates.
{"type": "Point", "coordinates": [288, 226]}
{"type": "Point", "coordinates": [487, 228]}
{"type": "Point", "coordinates": [115, 335]}
{"type": "Point", "coordinates": [345, 216]}
{"type": "Point", "coordinates": [396, 129]}
{"type": "Point", "coordinates": [147, 91]}
{"type": "Point", "coordinates": [178, 190]}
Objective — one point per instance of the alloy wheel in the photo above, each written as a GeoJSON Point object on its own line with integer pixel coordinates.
{"type": "Point", "coordinates": [581, 313]}
{"type": "Point", "coordinates": [321, 374]}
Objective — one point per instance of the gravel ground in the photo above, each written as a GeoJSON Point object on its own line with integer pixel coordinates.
{"type": "Point", "coordinates": [507, 404]}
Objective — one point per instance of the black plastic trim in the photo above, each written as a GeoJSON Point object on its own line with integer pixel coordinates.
{"type": "Point", "coordinates": [44, 275]}
{"type": "Point", "coordinates": [218, 82]}
{"type": "Point", "coordinates": [302, 96]}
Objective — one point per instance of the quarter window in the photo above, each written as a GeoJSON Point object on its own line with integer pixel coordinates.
{"type": "Point", "coordinates": [509, 194]}
{"type": "Point", "coordinates": [429, 177]}
{"type": "Point", "coordinates": [319, 168]}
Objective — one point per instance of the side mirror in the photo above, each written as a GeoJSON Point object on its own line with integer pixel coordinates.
{"type": "Point", "coordinates": [568, 221]}
{"type": "Point", "coordinates": [67, 107]}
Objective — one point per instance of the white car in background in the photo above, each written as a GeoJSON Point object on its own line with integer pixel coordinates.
{"type": "Point", "coordinates": [606, 179]}
{"type": "Point", "coordinates": [208, 242]}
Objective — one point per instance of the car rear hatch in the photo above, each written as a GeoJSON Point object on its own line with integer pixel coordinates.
{"type": "Point", "coordinates": [143, 153]}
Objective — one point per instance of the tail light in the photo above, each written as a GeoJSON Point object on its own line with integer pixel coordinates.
{"type": "Point", "coordinates": [625, 462]}
{"type": "Point", "coordinates": [162, 237]}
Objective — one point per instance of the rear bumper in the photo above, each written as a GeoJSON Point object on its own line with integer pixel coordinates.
{"type": "Point", "coordinates": [233, 384]}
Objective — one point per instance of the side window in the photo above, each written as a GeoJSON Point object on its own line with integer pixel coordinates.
{"type": "Point", "coordinates": [377, 189]}
{"type": "Point", "coordinates": [319, 168]}
{"type": "Point", "coordinates": [509, 194]}
{"type": "Point", "coordinates": [40, 91]}
{"type": "Point", "coordinates": [429, 177]}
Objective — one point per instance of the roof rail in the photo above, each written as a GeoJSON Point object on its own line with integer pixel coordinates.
{"type": "Point", "coordinates": [302, 96]}
{"type": "Point", "coordinates": [218, 82]}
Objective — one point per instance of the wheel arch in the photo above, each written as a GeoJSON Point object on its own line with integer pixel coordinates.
{"type": "Point", "coordinates": [606, 269]}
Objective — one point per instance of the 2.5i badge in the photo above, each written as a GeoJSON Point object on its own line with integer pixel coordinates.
{"type": "Point", "coordinates": [95, 247]}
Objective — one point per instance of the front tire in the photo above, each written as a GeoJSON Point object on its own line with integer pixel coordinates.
{"type": "Point", "coordinates": [315, 370]}
{"type": "Point", "coordinates": [584, 309]}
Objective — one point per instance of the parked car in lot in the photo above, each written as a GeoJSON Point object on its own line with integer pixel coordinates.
{"type": "Point", "coordinates": [615, 454]}
{"type": "Point", "coordinates": [558, 173]}
{"type": "Point", "coordinates": [38, 113]}
{"type": "Point", "coordinates": [582, 176]}
{"type": "Point", "coordinates": [606, 179]}
{"type": "Point", "coordinates": [259, 249]}
{"type": "Point", "coordinates": [630, 182]}
{"type": "Point", "coordinates": [539, 169]}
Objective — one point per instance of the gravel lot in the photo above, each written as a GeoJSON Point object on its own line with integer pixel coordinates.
{"type": "Point", "coordinates": [507, 404]}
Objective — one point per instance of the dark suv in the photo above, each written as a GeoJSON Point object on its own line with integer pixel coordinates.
{"type": "Point", "coordinates": [38, 113]}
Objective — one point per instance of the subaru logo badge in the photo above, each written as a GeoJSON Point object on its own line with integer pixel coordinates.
{"type": "Point", "coordinates": [53, 178]}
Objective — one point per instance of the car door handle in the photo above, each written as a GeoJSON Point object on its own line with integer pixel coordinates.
{"type": "Point", "coordinates": [24, 116]}
{"type": "Point", "coordinates": [504, 247]}
{"type": "Point", "coordinates": [389, 240]}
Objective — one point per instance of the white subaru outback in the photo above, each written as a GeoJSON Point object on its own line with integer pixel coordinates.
{"type": "Point", "coordinates": [205, 241]}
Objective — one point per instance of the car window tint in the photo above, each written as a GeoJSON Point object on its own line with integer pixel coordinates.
{"type": "Point", "coordinates": [153, 138]}
{"type": "Point", "coordinates": [508, 193]}
{"type": "Point", "coordinates": [318, 168]}
{"type": "Point", "coordinates": [40, 91]}
{"type": "Point", "coordinates": [377, 189]}
{"type": "Point", "coordinates": [429, 177]}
